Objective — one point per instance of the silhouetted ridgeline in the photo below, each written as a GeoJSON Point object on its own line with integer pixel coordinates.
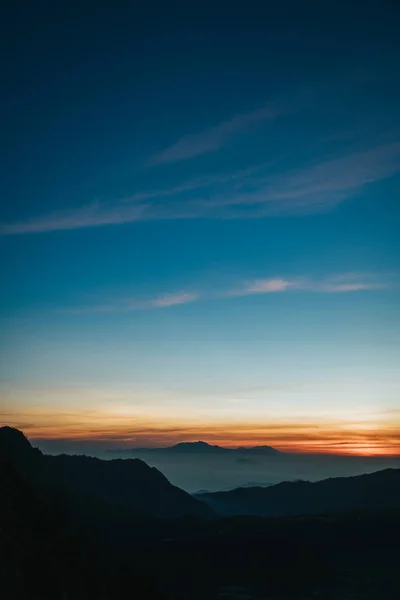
{"type": "Point", "coordinates": [126, 484]}
{"type": "Point", "coordinates": [376, 491]}
{"type": "Point", "coordinates": [43, 553]}
{"type": "Point", "coordinates": [195, 466]}
{"type": "Point", "coordinates": [200, 448]}
{"type": "Point", "coordinates": [66, 534]}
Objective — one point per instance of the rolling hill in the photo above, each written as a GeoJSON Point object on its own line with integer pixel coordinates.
{"type": "Point", "coordinates": [375, 491]}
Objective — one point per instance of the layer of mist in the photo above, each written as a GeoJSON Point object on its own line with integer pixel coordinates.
{"type": "Point", "coordinates": [214, 471]}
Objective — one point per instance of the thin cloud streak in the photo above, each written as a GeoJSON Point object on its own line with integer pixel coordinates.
{"type": "Point", "coordinates": [312, 189]}
{"type": "Point", "coordinates": [190, 146]}
{"type": "Point", "coordinates": [349, 287]}
{"type": "Point", "coordinates": [142, 206]}
{"type": "Point", "coordinates": [129, 304]}
{"type": "Point", "coordinates": [344, 283]}
{"type": "Point", "coordinates": [240, 195]}
{"type": "Point", "coordinates": [174, 299]}
{"type": "Point", "coordinates": [267, 286]}
{"type": "Point", "coordinates": [331, 285]}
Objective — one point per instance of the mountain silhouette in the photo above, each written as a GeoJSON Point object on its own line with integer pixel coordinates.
{"type": "Point", "coordinates": [16, 448]}
{"type": "Point", "coordinates": [49, 552]}
{"type": "Point", "coordinates": [129, 485]}
{"type": "Point", "coordinates": [263, 450]}
{"type": "Point", "coordinates": [43, 553]}
{"type": "Point", "coordinates": [195, 448]}
{"type": "Point", "coordinates": [201, 448]}
{"type": "Point", "coordinates": [375, 491]}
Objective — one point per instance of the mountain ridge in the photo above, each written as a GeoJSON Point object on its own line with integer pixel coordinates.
{"type": "Point", "coordinates": [374, 491]}
{"type": "Point", "coordinates": [126, 484]}
{"type": "Point", "coordinates": [201, 447]}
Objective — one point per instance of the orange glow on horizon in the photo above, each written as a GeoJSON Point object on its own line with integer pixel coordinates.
{"type": "Point", "coordinates": [370, 436]}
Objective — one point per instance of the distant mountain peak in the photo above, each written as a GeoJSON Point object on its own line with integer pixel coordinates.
{"type": "Point", "coordinates": [204, 447]}
{"type": "Point", "coordinates": [201, 447]}
{"type": "Point", "coordinates": [198, 446]}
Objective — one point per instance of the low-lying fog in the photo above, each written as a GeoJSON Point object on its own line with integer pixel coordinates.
{"type": "Point", "coordinates": [195, 472]}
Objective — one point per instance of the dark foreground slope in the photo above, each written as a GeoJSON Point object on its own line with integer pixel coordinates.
{"type": "Point", "coordinates": [45, 556]}
{"type": "Point", "coordinates": [374, 492]}
{"type": "Point", "coordinates": [348, 557]}
{"type": "Point", "coordinates": [50, 548]}
{"type": "Point", "coordinates": [128, 485]}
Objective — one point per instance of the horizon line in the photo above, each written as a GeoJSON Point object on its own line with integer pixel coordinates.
{"type": "Point", "coordinates": [330, 449]}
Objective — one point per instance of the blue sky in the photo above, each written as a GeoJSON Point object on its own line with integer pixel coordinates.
{"type": "Point", "coordinates": [200, 218]}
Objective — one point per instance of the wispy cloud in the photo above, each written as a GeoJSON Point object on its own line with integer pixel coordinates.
{"type": "Point", "coordinates": [336, 179]}
{"type": "Point", "coordinates": [266, 286]}
{"type": "Point", "coordinates": [129, 304]}
{"type": "Point", "coordinates": [348, 287]}
{"type": "Point", "coordinates": [137, 207]}
{"type": "Point", "coordinates": [331, 285]}
{"type": "Point", "coordinates": [344, 283]}
{"type": "Point", "coordinates": [92, 215]}
{"type": "Point", "coordinates": [214, 138]}
{"type": "Point", "coordinates": [142, 206]}
{"type": "Point", "coordinates": [174, 299]}
{"type": "Point", "coordinates": [310, 189]}
{"type": "Point", "coordinates": [250, 193]}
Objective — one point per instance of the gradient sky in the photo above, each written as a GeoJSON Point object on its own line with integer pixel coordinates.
{"type": "Point", "coordinates": [200, 224]}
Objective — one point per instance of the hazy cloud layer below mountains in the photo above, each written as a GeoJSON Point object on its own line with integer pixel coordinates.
{"type": "Point", "coordinates": [195, 471]}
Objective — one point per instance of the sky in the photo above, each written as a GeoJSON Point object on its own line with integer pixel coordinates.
{"type": "Point", "coordinates": [199, 224]}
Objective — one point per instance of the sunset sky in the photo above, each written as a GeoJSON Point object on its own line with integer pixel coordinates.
{"type": "Point", "coordinates": [200, 224]}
